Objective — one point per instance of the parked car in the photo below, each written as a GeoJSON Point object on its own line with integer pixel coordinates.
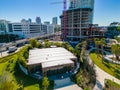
{"type": "Point", "coordinates": [12, 49]}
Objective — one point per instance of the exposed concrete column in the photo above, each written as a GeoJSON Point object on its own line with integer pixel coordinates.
{"type": "Point", "coordinates": [80, 23]}
{"type": "Point", "coordinates": [72, 26]}
{"type": "Point", "coordinates": [29, 68]}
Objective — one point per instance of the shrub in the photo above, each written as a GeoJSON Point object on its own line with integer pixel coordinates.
{"type": "Point", "coordinates": [86, 88]}
{"type": "Point", "coordinates": [33, 42]}
{"type": "Point", "coordinates": [45, 83]}
{"type": "Point", "coordinates": [47, 45]}
{"type": "Point", "coordinates": [39, 45]}
{"type": "Point", "coordinates": [65, 45]}
{"type": "Point", "coordinates": [25, 54]}
{"type": "Point", "coordinates": [22, 61]}
{"type": "Point", "coordinates": [29, 47]}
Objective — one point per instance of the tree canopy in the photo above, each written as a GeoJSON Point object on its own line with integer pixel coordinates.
{"type": "Point", "coordinates": [45, 83]}
{"type": "Point", "coordinates": [118, 28]}
{"type": "Point", "coordinates": [115, 49]}
{"type": "Point", "coordinates": [33, 42]}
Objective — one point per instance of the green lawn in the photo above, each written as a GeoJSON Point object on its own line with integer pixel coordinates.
{"type": "Point", "coordinates": [9, 63]}
{"type": "Point", "coordinates": [110, 68]}
{"type": "Point", "coordinates": [110, 85]}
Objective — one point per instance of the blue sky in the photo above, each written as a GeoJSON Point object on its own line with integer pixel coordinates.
{"type": "Point", "coordinates": [105, 12]}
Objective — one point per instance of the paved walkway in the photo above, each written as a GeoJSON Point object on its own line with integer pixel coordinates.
{"type": "Point", "coordinates": [108, 57]}
{"type": "Point", "coordinates": [65, 84]}
{"type": "Point", "coordinates": [71, 87]}
{"type": "Point", "coordinates": [4, 54]}
{"type": "Point", "coordinates": [101, 76]}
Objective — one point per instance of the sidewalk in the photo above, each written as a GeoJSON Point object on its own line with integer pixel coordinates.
{"type": "Point", "coordinates": [101, 76]}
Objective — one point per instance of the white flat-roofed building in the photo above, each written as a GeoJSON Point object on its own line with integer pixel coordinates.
{"type": "Point", "coordinates": [51, 61]}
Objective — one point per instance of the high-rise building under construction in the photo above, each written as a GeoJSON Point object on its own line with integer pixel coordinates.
{"type": "Point", "coordinates": [79, 16]}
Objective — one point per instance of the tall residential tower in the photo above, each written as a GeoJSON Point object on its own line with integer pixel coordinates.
{"type": "Point", "coordinates": [79, 16]}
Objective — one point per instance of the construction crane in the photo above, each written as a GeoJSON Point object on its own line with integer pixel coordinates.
{"type": "Point", "coordinates": [64, 15]}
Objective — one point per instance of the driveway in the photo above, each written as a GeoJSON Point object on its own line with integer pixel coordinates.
{"type": "Point", "coordinates": [65, 84]}
{"type": "Point", "coordinates": [71, 87]}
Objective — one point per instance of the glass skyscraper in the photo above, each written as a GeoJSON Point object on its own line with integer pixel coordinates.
{"type": "Point", "coordinates": [82, 4]}
{"type": "Point", "coordinates": [74, 4]}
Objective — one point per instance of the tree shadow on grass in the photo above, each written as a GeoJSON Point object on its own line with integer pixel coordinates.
{"type": "Point", "coordinates": [106, 64]}
{"type": "Point", "coordinates": [24, 79]}
{"type": "Point", "coordinates": [117, 73]}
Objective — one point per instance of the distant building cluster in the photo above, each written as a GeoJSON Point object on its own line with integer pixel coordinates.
{"type": "Point", "coordinates": [27, 28]}
{"type": "Point", "coordinates": [113, 30]}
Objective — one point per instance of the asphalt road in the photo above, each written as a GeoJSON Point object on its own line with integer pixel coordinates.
{"type": "Point", "coordinates": [5, 53]}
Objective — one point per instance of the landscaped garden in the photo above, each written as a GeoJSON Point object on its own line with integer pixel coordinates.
{"type": "Point", "coordinates": [108, 67]}
{"type": "Point", "coordinates": [86, 76]}
{"type": "Point", "coordinates": [111, 85]}
{"type": "Point", "coordinates": [9, 65]}
{"type": "Point", "coordinates": [10, 69]}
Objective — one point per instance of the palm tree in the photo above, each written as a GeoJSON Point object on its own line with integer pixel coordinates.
{"type": "Point", "coordinates": [115, 49]}
{"type": "Point", "coordinates": [96, 41]}
{"type": "Point", "coordinates": [117, 38]}
{"type": "Point", "coordinates": [99, 44]}
{"type": "Point", "coordinates": [102, 44]}
{"type": "Point", "coordinates": [83, 56]}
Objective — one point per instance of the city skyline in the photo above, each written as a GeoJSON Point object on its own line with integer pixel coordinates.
{"type": "Point", "coordinates": [14, 10]}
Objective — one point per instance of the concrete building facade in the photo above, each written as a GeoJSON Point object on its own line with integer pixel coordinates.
{"type": "Point", "coordinates": [26, 30]}
{"type": "Point", "coordinates": [50, 29]}
{"type": "Point", "coordinates": [43, 29]}
{"type": "Point", "coordinates": [78, 18]}
{"type": "Point", "coordinates": [47, 28]}
{"type": "Point", "coordinates": [54, 21]}
{"type": "Point", "coordinates": [47, 23]}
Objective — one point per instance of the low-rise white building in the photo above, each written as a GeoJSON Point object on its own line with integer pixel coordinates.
{"type": "Point", "coordinates": [50, 61]}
